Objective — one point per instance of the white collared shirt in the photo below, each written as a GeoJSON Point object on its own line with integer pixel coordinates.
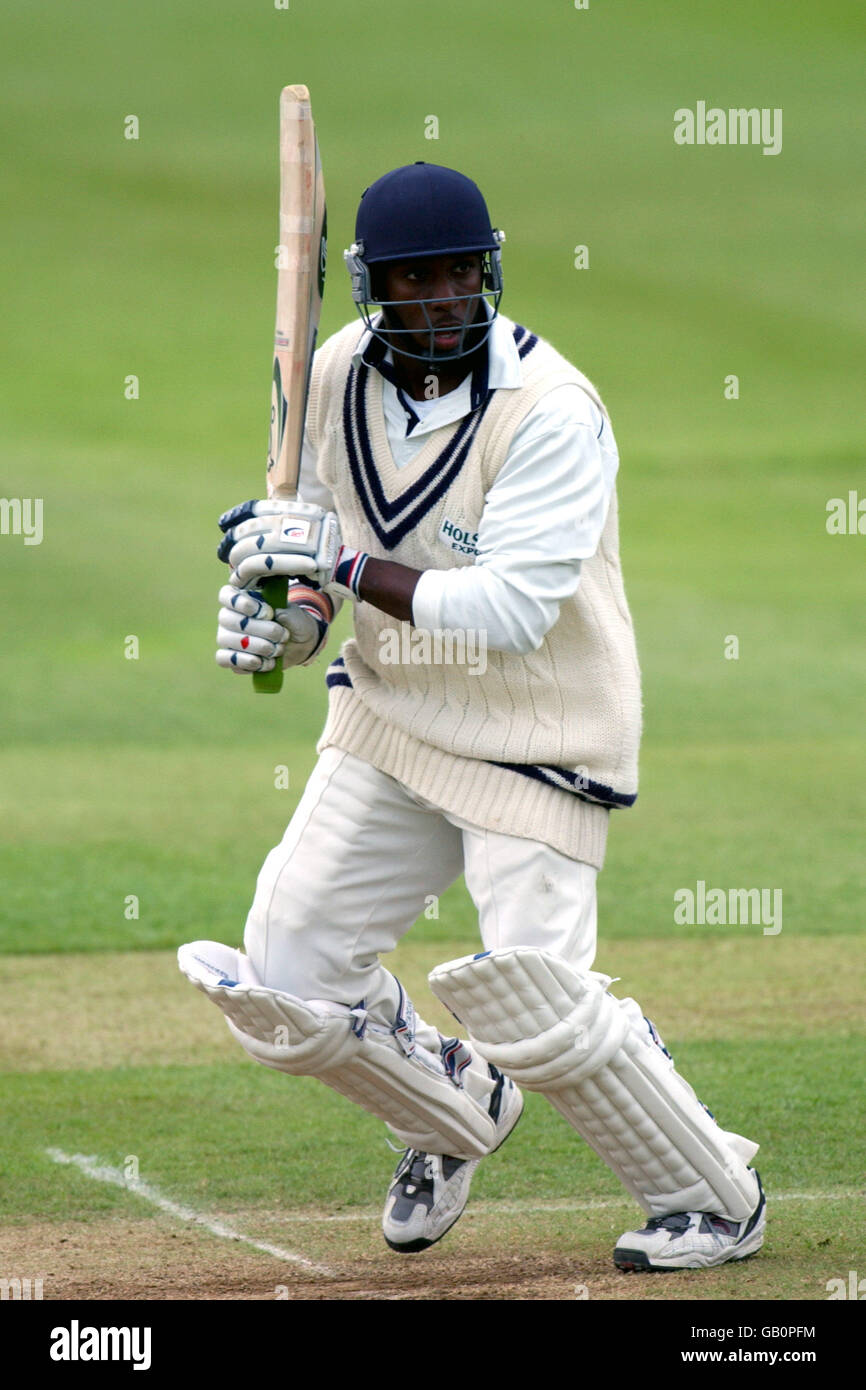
{"type": "Point", "coordinates": [543, 515]}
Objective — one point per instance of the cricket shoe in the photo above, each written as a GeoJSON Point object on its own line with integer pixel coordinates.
{"type": "Point", "coordinates": [429, 1192]}
{"type": "Point", "coordinates": [691, 1240]}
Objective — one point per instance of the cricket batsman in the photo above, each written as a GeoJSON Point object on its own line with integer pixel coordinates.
{"type": "Point", "coordinates": [458, 475]}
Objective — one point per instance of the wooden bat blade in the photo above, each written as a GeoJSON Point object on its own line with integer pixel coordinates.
{"type": "Point", "coordinates": [301, 259]}
{"type": "Point", "coordinates": [300, 284]}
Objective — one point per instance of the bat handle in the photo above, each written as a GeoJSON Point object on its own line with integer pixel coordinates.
{"type": "Point", "coordinates": [270, 682]}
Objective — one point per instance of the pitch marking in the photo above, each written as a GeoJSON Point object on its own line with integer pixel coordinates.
{"type": "Point", "coordinates": [103, 1173]}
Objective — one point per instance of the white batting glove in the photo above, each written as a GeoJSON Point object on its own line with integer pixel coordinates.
{"type": "Point", "coordinates": [252, 636]}
{"type": "Point", "coordinates": [268, 539]}
{"type": "Point", "coordinates": [273, 538]}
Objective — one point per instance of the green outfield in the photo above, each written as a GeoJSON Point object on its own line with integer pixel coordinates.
{"type": "Point", "coordinates": [139, 796]}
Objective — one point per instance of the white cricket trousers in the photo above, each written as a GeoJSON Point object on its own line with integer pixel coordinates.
{"type": "Point", "coordinates": [356, 867]}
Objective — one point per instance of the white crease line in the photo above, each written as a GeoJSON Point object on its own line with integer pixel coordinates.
{"type": "Point", "coordinates": [601, 1204]}
{"type": "Point", "coordinates": [102, 1173]}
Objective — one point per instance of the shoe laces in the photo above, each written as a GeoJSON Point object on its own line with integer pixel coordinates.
{"type": "Point", "coordinates": [678, 1221]}
{"type": "Point", "coordinates": [415, 1168]}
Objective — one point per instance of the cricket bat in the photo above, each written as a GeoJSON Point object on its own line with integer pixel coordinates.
{"type": "Point", "coordinates": [300, 285]}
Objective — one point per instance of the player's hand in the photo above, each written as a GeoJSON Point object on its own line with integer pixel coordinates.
{"type": "Point", "coordinates": [252, 636]}
{"type": "Point", "coordinates": [269, 538]}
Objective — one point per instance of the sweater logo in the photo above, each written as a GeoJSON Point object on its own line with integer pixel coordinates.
{"type": "Point", "coordinates": [458, 538]}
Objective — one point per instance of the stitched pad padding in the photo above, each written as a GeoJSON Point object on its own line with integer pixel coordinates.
{"type": "Point", "coordinates": [530, 1008]}
{"type": "Point", "coordinates": [412, 1094]}
{"type": "Point", "coordinates": [558, 1031]}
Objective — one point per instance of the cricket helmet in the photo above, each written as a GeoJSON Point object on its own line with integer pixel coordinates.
{"type": "Point", "coordinates": [414, 213]}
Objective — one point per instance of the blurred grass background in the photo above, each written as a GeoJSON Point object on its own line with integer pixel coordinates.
{"type": "Point", "coordinates": [154, 257]}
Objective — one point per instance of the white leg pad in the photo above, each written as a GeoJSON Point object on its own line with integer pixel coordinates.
{"type": "Point", "coordinates": [604, 1068]}
{"type": "Point", "coordinates": [384, 1070]}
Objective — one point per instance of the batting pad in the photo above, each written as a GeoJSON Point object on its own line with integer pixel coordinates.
{"type": "Point", "coordinates": [604, 1068]}
{"type": "Point", "coordinates": [384, 1070]}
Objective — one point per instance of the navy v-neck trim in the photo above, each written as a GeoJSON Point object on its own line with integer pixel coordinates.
{"type": "Point", "coordinates": [392, 520]}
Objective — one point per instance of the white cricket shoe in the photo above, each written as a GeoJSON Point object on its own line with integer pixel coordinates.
{"type": "Point", "coordinates": [691, 1240]}
{"type": "Point", "coordinates": [428, 1192]}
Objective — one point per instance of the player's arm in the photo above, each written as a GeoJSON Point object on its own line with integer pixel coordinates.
{"type": "Point", "coordinates": [542, 518]}
{"type": "Point", "coordinates": [389, 587]}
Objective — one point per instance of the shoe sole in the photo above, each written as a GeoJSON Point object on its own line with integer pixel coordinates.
{"type": "Point", "coordinates": [414, 1247]}
{"type": "Point", "coordinates": [635, 1262]}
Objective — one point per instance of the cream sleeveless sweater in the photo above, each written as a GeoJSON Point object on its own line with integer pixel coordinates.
{"type": "Point", "coordinates": [540, 746]}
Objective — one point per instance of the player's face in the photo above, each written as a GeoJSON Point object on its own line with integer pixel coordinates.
{"type": "Point", "coordinates": [449, 287]}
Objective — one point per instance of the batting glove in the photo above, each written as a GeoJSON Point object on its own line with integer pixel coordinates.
{"type": "Point", "coordinates": [252, 636]}
{"type": "Point", "coordinates": [271, 538]}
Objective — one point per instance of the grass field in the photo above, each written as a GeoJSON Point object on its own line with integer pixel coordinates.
{"type": "Point", "coordinates": [137, 796]}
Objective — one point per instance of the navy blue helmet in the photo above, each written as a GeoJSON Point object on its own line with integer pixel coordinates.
{"type": "Point", "coordinates": [416, 212]}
